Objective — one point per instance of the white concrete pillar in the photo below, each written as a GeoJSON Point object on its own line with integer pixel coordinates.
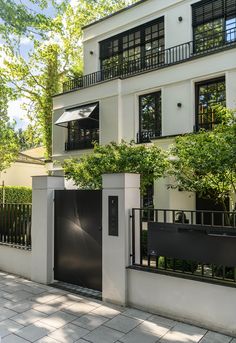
{"type": "Point", "coordinates": [43, 226]}
{"type": "Point", "coordinates": [116, 249]}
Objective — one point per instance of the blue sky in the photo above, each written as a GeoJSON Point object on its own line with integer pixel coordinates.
{"type": "Point", "coordinates": [15, 111]}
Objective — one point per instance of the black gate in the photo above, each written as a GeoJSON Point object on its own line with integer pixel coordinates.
{"type": "Point", "coordinates": [78, 238]}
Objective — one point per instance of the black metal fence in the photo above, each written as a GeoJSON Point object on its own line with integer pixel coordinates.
{"type": "Point", "coordinates": [180, 53]}
{"type": "Point", "coordinates": [15, 225]}
{"type": "Point", "coordinates": [191, 244]}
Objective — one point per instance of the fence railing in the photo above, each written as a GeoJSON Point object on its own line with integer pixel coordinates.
{"type": "Point", "coordinates": [191, 244]}
{"type": "Point", "coordinates": [15, 225]}
{"type": "Point", "coordinates": [180, 53]}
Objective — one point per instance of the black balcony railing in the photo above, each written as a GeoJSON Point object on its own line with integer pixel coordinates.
{"type": "Point", "coordinates": [84, 140]}
{"type": "Point", "coordinates": [193, 49]}
{"type": "Point", "coordinates": [147, 135]}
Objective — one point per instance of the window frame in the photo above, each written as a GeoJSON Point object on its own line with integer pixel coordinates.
{"type": "Point", "coordinates": [158, 97]}
{"type": "Point", "coordinates": [103, 45]}
{"type": "Point", "coordinates": [197, 95]}
{"type": "Point", "coordinates": [225, 13]}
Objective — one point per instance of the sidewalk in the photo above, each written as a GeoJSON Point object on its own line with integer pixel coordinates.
{"type": "Point", "coordinates": [31, 312]}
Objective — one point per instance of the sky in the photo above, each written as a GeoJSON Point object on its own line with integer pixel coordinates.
{"type": "Point", "coordinates": [15, 110]}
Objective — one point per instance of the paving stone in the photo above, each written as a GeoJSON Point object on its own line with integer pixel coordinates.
{"type": "Point", "coordinates": [45, 297]}
{"type": "Point", "coordinates": [133, 313]}
{"type": "Point", "coordinates": [183, 333]}
{"type": "Point", "coordinates": [69, 333]}
{"type": "Point", "coordinates": [47, 339]}
{"type": "Point", "coordinates": [5, 313]}
{"type": "Point", "coordinates": [139, 336]}
{"type": "Point", "coordinates": [106, 311]}
{"type": "Point", "coordinates": [103, 335]}
{"type": "Point", "coordinates": [8, 326]}
{"type": "Point", "coordinates": [58, 319]}
{"type": "Point", "coordinates": [18, 296]}
{"type": "Point", "coordinates": [28, 317]}
{"type": "Point", "coordinates": [47, 309]}
{"type": "Point", "coordinates": [35, 331]}
{"type": "Point", "coordinates": [214, 337]}
{"type": "Point", "coordinates": [20, 306]}
{"type": "Point", "coordinates": [154, 328]}
{"type": "Point", "coordinates": [90, 321]}
{"type": "Point", "coordinates": [79, 309]}
{"type": "Point", "coordinates": [13, 339]}
{"type": "Point", "coordinates": [123, 323]}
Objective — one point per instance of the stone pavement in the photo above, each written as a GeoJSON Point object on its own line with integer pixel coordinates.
{"type": "Point", "coordinates": [30, 312]}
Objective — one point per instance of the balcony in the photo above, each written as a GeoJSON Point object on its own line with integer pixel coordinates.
{"type": "Point", "coordinates": [178, 54]}
{"type": "Point", "coordinates": [85, 139]}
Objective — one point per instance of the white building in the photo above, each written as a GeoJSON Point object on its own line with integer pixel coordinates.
{"type": "Point", "coordinates": [151, 71]}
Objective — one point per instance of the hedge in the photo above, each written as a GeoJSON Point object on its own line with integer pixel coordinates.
{"type": "Point", "coordinates": [16, 194]}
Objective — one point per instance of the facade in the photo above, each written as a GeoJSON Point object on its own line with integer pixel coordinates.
{"type": "Point", "coordinates": [152, 71]}
{"type": "Point", "coordinates": [29, 163]}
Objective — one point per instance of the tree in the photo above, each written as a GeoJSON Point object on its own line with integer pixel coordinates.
{"type": "Point", "coordinates": [8, 141]}
{"type": "Point", "coordinates": [40, 76]}
{"type": "Point", "coordinates": [87, 171]}
{"type": "Point", "coordinates": [205, 162]}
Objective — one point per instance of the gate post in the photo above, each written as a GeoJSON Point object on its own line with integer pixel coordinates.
{"type": "Point", "coordinates": [121, 193]}
{"type": "Point", "coordinates": [43, 226]}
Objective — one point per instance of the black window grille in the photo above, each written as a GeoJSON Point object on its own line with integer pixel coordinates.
{"type": "Point", "coordinates": [142, 44]}
{"type": "Point", "coordinates": [209, 95]}
{"type": "Point", "coordinates": [149, 117]}
{"type": "Point", "coordinates": [214, 23]}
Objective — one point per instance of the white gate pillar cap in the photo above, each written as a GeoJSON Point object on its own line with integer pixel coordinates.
{"type": "Point", "coordinates": [48, 182]}
{"type": "Point", "coordinates": [120, 180]}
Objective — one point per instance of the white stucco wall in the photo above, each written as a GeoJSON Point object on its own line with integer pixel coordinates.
{"type": "Point", "coordinates": [204, 304]}
{"type": "Point", "coordinates": [15, 261]}
{"type": "Point", "coordinates": [20, 174]}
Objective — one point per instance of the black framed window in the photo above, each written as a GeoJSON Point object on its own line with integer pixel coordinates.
{"type": "Point", "coordinates": [149, 116]}
{"type": "Point", "coordinates": [139, 44]}
{"type": "Point", "coordinates": [209, 95]}
{"type": "Point", "coordinates": [214, 23]}
{"type": "Point", "coordinates": [83, 133]}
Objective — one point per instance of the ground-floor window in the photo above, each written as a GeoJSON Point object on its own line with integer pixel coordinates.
{"type": "Point", "coordinates": [149, 117]}
{"type": "Point", "coordinates": [209, 94]}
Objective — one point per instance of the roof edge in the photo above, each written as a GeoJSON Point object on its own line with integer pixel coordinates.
{"type": "Point", "coordinates": [113, 14]}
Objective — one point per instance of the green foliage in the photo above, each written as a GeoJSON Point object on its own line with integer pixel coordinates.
{"type": "Point", "coordinates": [177, 265]}
{"type": "Point", "coordinates": [87, 171]}
{"type": "Point", "coordinates": [52, 60]}
{"type": "Point", "coordinates": [8, 142]}
{"type": "Point", "coordinates": [16, 195]}
{"type": "Point", "coordinates": [205, 162]}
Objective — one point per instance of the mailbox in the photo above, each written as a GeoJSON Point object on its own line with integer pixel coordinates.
{"type": "Point", "coordinates": [113, 216]}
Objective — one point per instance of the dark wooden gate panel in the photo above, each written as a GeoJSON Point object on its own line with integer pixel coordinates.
{"type": "Point", "coordinates": [78, 238]}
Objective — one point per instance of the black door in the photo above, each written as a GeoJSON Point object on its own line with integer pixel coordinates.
{"type": "Point", "coordinates": [78, 238]}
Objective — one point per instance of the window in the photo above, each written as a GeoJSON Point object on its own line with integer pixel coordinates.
{"type": "Point", "coordinates": [214, 24]}
{"type": "Point", "coordinates": [150, 117]}
{"type": "Point", "coordinates": [209, 94]}
{"type": "Point", "coordinates": [83, 132]}
{"type": "Point", "coordinates": [136, 48]}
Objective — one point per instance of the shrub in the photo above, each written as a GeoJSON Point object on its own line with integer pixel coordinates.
{"type": "Point", "coordinates": [16, 194]}
{"type": "Point", "coordinates": [180, 265]}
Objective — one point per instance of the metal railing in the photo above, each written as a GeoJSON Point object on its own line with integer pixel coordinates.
{"type": "Point", "coordinates": [182, 234]}
{"type": "Point", "coordinates": [15, 225]}
{"type": "Point", "coordinates": [164, 58]}
{"type": "Point", "coordinates": [84, 140]}
{"type": "Point", "coordinates": [147, 135]}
